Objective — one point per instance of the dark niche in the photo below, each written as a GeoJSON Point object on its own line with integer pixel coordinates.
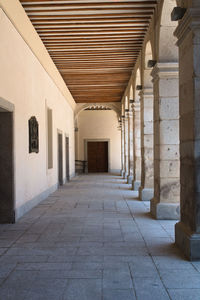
{"type": "Point", "coordinates": [33, 135]}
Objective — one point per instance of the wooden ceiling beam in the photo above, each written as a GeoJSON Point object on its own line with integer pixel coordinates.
{"type": "Point", "coordinates": [93, 25]}
{"type": "Point", "coordinates": [49, 2]}
{"type": "Point", "coordinates": [93, 43]}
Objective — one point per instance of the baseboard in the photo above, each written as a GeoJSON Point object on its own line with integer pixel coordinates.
{"type": "Point", "coordinates": [21, 210]}
{"type": "Point", "coordinates": [115, 171]}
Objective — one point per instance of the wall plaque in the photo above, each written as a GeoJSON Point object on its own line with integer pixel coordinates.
{"type": "Point", "coordinates": [33, 135]}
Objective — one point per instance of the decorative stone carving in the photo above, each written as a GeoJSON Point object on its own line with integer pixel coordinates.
{"type": "Point", "coordinates": [33, 135]}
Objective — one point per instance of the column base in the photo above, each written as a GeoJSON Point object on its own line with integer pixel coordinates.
{"type": "Point", "coordinates": [122, 173]}
{"type": "Point", "coordinates": [146, 194]}
{"type": "Point", "coordinates": [188, 242]}
{"type": "Point", "coordinates": [129, 179]}
{"type": "Point", "coordinates": [125, 175]}
{"type": "Point", "coordinates": [136, 185]}
{"type": "Point", "coordinates": [165, 211]}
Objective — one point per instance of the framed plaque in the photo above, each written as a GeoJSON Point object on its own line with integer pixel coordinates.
{"type": "Point", "coordinates": [33, 135]}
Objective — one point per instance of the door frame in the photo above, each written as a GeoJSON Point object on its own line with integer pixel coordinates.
{"type": "Point", "coordinates": [67, 179]}
{"type": "Point", "coordinates": [86, 150]}
{"type": "Point", "coordinates": [59, 132]}
{"type": "Point", "coordinates": [10, 108]}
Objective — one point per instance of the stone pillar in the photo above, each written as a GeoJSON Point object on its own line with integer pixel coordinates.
{"type": "Point", "coordinates": [165, 204]}
{"type": "Point", "coordinates": [137, 147]}
{"type": "Point", "coordinates": [187, 231]}
{"type": "Point", "coordinates": [122, 148]}
{"type": "Point", "coordinates": [126, 143]}
{"type": "Point", "coordinates": [147, 173]}
{"type": "Point", "coordinates": [130, 152]}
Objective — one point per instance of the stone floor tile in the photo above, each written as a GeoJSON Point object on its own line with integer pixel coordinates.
{"type": "Point", "coordinates": [109, 294]}
{"type": "Point", "coordinates": [22, 280]}
{"type": "Point", "coordinates": [47, 289]}
{"type": "Point", "coordinates": [150, 289]}
{"type": "Point", "coordinates": [180, 279]}
{"type": "Point", "coordinates": [87, 266]}
{"type": "Point", "coordinates": [44, 266]}
{"type": "Point", "coordinates": [117, 279]}
{"type": "Point", "coordinates": [184, 294]}
{"type": "Point", "coordinates": [83, 289]}
{"type": "Point", "coordinates": [14, 293]}
{"type": "Point", "coordinates": [143, 266]}
{"type": "Point", "coordinates": [6, 269]}
{"type": "Point", "coordinates": [172, 263]}
{"type": "Point", "coordinates": [70, 274]}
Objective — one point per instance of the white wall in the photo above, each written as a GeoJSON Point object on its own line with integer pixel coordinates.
{"type": "Point", "coordinates": [100, 125]}
{"type": "Point", "coordinates": [25, 83]}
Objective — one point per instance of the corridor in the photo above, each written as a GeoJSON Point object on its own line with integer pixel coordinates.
{"type": "Point", "coordinates": [91, 240]}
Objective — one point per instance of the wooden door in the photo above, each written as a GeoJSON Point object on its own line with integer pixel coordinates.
{"type": "Point", "coordinates": [97, 157]}
{"type": "Point", "coordinates": [7, 213]}
{"type": "Point", "coordinates": [67, 157]}
{"type": "Point", "coordinates": [60, 159]}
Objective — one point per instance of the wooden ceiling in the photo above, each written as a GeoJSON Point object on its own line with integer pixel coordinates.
{"type": "Point", "coordinates": [94, 44]}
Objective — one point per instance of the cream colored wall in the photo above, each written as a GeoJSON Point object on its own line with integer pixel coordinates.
{"type": "Point", "coordinates": [25, 83]}
{"type": "Point", "coordinates": [100, 125]}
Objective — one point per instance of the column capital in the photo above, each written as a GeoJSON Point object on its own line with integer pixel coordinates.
{"type": "Point", "coordinates": [147, 91]}
{"type": "Point", "coordinates": [189, 22]}
{"type": "Point", "coordinates": [130, 114]}
{"type": "Point", "coordinates": [136, 106]}
{"type": "Point", "coordinates": [164, 70]}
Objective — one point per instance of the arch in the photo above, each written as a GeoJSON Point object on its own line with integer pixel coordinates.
{"type": "Point", "coordinates": [122, 108]}
{"type": "Point", "coordinates": [166, 44]}
{"type": "Point", "coordinates": [84, 106]}
{"type": "Point", "coordinates": [131, 96]}
{"type": "Point", "coordinates": [137, 83]}
{"type": "Point", "coordinates": [126, 103]}
{"type": "Point", "coordinates": [148, 53]}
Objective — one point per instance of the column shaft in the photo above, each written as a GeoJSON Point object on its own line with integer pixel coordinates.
{"type": "Point", "coordinates": [147, 173]}
{"type": "Point", "coordinates": [165, 204]}
{"type": "Point", "coordinates": [187, 231]}
{"type": "Point", "coordinates": [122, 150]}
{"type": "Point", "coordinates": [137, 147]}
{"type": "Point", "coordinates": [126, 145]}
{"type": "Point", "coordinates": [131, 157]}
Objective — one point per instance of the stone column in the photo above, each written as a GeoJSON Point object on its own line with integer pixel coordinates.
{"type": "Point", "coordinates": [165, 204]}
{"type": "Point", "coordinates": [122, 148]}
{"type": "Point", "coordinates": [130, 133]}
{"type": "Point", "coordinates": [187, 231]}
{"type": "Point", "coordinates": [147, 173]}
{"type": "Point", "coordinates": [126, 144]}
{"type": "Point", "coordinates": [137, 147]}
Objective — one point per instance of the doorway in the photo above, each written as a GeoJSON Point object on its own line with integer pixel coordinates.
{"type": "Point", "coordinates": [67, 157]}
{"type": "Point", "coordinates": [7, 207]}
{"type": "Point", "coordinates": [97, 153]}
{"type": "Point", "coordinates": [60, 159]}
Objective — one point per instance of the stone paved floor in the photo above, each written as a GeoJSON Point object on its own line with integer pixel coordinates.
{"type": "Point", "coordinates": [93, 240]}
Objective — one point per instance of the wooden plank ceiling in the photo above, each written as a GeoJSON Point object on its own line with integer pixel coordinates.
{"type": "Point", "coordinates": [94, 43]}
